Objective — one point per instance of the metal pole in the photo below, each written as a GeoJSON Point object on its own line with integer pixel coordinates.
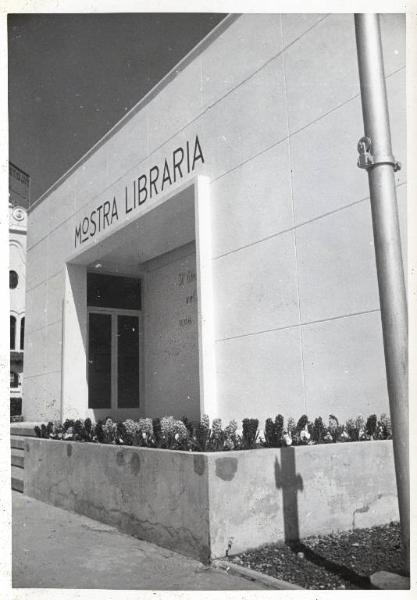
{"type": "Point", "coordinates": [376, 157]}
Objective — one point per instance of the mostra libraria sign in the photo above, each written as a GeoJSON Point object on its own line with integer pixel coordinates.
{"type": "Point", "coordinates": [146, 186]}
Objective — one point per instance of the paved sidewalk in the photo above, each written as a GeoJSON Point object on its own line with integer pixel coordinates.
{"type": "Point", "coordinates": [55, 548]}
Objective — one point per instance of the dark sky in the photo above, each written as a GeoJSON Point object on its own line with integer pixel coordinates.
{"type": "Point", "coordinates": [73, 76]}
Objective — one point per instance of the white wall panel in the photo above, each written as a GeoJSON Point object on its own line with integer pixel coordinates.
{"type": "Point", "coordinates": [336, 265]}
{"type": "Point", "coordinates": [36, 307]}
{"type": "Point", "coordinates": [253, 201]}
{"type": "Point", "coordinates": [60, 247]}
{"type": "Point", "coordinates": [54, 307]}
{"type": "Point", "coordinates": [35, 354]}
{"type": "Point", "coordinates": [393, 41]}
{"type": "Point", "coordinates": [344, 367]}
{"type": "Point", "coordinates": [53, 341]}
{"type": "Point", "coordinates": [261, 376]}
{"type": "Point", "coordinates": [127, 147]}
{"type": "Point", "coordinates": [41, 399]}
{"type": "Point", "coordinates": [37, 264]}
{"type": "Point", "coordinates": [247, 121]}
{"type": "Point", "coordinates": [321, 70]}
{"type": "Point", "coordinates": [324, 163]}
{"type": "Point", "coordinates": [91, 177]}
{"type": "Point", "coordinates": [294, 25]}
{"type": "Point", "coordinates": [255, 289]}
{"type": "Point", "coordinates": [179, 103]}
{"type": "Point", "coordinates": [64, 203]}
{"type": "Point", "coordinates": [240, 51]}
{"type": "Point", "coordinates": [38, 223]}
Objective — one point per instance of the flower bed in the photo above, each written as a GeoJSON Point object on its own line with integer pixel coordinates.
{"type": "Point", "coordinates": [181, 434]}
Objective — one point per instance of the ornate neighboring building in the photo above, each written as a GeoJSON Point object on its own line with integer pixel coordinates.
{"type": "Point", "coordinates": [18, 204]}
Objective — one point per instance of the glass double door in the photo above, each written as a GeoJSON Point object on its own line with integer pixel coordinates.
{"type": "Point", "coordinates": [113, 358]}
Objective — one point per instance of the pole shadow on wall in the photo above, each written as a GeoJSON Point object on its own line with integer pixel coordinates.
{"type": "Point", "coordinates": [291, 482]}
{"type": "Point", "coordinates": [287, 480]}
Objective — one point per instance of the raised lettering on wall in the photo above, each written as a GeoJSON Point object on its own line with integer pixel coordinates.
{"type": "Point", "coordinates": [183, 161]}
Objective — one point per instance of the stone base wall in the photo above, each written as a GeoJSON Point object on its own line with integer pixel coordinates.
{"type": "Point", "coordinates": [267, 495]}
{"type": "Point", "coordinates": [157, 495]}
{"type": "Point", "coordinates": [203, 504]}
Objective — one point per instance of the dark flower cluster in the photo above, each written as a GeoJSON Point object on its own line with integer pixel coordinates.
{"type": "Point", "coordinates": [166, 432]}
{"type": "Point", "coordinates": [306, 432]}
{"type": "Point", "coordinates": [183, 434]}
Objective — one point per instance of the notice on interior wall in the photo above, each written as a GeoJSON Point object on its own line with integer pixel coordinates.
{"type": "Point", "coordinates": [171, 333]}
{"type": "Point", "coordinates": [187, 281]}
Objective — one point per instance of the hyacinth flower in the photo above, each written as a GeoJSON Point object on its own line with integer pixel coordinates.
{"type": "Point", "coordinates": [202, 433]}
{"type": "Point", "coordinates": [145, 431]}
{"type": "Point", "coordinates": [216, 438]}
{"type": "Point", "coordinates": [120, 433]}
{"type": "Point", "coordinates": [57, 431]}
{"type": "Point", "coordinates": [319, 430]}
{"type": "Point", "coordinates": [131, 432]}
{"type": "Point", "coordinates": [167, 431]}
{"type": "Point", "coordinates": [351, 429]}
{"type": "Point", "coordinates": [68, 434]}
{"type": "Point", "coordinates": [230, 438]}
{"type": "Point", "coordinates": [273, 432]}
{"type": "Point", "coordinates": [228, 444]}
{"type": "Point", "coordinates": [249, 432]}
{"type": "Point", "coordinates": [205, 421]}
{"type": "Point", "coordinates": [305, 436]}
{"type": "Point", "coordinates": [188, 425]}
{"type": "Point", "coordinates": [360, 424]}
{"type": "Point", "coordinates": [302, 423]}
{"type": "Point", "coordinates": [291, 427]}
{"type": "Point", "coordinates": [371, 426]}
{"type": "Point", "coordinates": [216, 428]}
{"type": "Point", "coordinates": [231, 429]}
{"type": "Point", "coordinates": [385, 427]}
{"type": "Point", "coordinates": [145, 426]}
{"type": "Point", "coordinates": [334, 428]}
{"type": "Point", "coordinates": [156, 424]}
{"type": "Point", "coordinates": [180, 434]}
{"type": "Point", "coordinates": [174, 433]}
{"type": "Point", "coordinates": [109, 431]}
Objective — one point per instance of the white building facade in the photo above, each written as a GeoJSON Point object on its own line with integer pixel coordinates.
{"type": "Point", "coordinates": [18, 203]}
{"type": "Point", "coordinates": [213, 253]}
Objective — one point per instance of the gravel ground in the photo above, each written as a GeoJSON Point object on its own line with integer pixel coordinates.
{"type": "Point", "coordinates": [343, 560]}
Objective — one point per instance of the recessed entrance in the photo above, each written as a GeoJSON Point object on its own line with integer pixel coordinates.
{"type": "Point", "coordinates": [138, 311]}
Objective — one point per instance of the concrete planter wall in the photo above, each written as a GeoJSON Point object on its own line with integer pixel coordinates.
{"type": "Point", "coordinates": [201, 504]}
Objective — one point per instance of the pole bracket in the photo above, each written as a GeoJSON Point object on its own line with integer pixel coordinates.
{"type": "Point", "coordinates": [367, 160]}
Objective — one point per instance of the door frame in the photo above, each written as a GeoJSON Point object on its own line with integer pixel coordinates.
{"type": "Point", "coordinates": [114, 313]}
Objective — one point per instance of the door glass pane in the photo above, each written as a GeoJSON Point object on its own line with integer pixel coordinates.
{"type": "Point", "coordinates": [128, 361]}
{"type": "Point", "coordinates": [109, 291]}
{"type": "Point", "coordinates": [99, 361]}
